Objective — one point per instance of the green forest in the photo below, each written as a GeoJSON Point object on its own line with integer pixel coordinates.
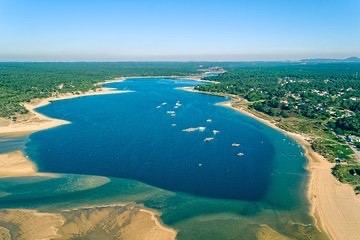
{"type": "Point", "coordinates": [328, 92]}
{"type": "Point", "coordinates": [21, 82]}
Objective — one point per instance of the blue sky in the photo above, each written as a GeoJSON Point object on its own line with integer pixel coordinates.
{"type": "Point", "coordinates": [109, 30]}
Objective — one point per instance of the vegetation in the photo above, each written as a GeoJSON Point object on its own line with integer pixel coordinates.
{"type": "Point", "coordinates": [21, 82]}
{"type": "Point", "coordinates": [348, 174]}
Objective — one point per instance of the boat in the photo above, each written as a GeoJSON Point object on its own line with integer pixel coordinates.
{"type": "Point", "coordinates": [240, 154]}
{"type": "Point", "coordinates": [215, 132]}
{"type": "Point", "coordinates": [208, 139]}
{"type": "Point", "coordinates": [235, 144]}
{"type": "Point", "coordinates": [201, 129]}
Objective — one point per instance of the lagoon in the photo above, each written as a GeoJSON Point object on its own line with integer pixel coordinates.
{"type": "Point", "coordinates": [135, 141]}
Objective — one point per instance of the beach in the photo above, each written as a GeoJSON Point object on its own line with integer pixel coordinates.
{"type": "Point", "coordinates": [14, 164]}
{"type": "Point", "coordinates": [334, 205]}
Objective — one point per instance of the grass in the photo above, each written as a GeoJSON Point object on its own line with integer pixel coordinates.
{"type": "Point", "coordinates": [342, 172]}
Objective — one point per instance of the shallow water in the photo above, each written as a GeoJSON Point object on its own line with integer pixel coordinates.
{"type": "Point", "coordinates": [203, 189]}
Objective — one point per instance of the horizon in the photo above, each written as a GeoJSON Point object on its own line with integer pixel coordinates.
{"type": "Point", "coordinates": [191, 61]}
{"type": "Point", "coordinates": [180, 31]}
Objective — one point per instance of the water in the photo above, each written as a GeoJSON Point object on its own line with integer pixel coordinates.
{"type": "Point", "coordinates": [11, 143]}
{"type": "Point", "coordinates": [204, 189]}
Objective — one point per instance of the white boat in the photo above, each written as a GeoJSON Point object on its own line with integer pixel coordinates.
{"type": "Point", "coordinates": [235, 144]}
{"type": "Point", "coordinates": [201, 129]}
{"type": "Point", "coordinates": [208, 139]}
{"type": "Point", "coordinates": [215, 132]}
{"type": "Point", "coordinates": [240, 154]}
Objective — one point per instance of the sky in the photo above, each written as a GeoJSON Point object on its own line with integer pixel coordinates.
{"type": "Point", "coordinates": [178, 30]}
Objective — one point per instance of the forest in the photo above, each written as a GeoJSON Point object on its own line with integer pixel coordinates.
{"type": "Point", "coordinates": [327, 92]}
{"type": "Point", "coordinates": [21, 82]}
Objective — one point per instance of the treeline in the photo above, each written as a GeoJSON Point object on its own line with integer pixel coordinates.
{"type": "Point", "coordinates": [21, 82]}
{"type": "Point", "coordinates": [326, 92]}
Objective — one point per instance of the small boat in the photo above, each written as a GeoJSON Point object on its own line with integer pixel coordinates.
{"type": "Point", "coordinates": [235, 144]}
{"type": "Point", "coordinates": [240, 154]}
{"type": "Point", "coordinates": [173, 125]}
{"type": "Point", "coordinates": [208, 139]}
{"type": "Point", "coordinates": [215, 132]}
{"type": "Point", "coordinates": [209, 120]}
{"type": "Point", "coordinates": [170, 112]}
{"type": "Point", "coordinates": [190, 129]}
{"type": "Point", "coordinates": [164, 103]}
{"type": "Point", "coordinates": [158, 107]}
{"type": "Point", "coordinates": [201, 129]}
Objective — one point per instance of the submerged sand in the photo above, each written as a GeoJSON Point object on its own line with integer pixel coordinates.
{"type": "Point", "coordinates": [103, 222]}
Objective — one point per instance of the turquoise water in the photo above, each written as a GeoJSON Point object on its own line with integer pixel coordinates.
{"type": "Point", "coordinates": [203, 189]}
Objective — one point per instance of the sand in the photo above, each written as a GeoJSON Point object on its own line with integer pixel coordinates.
{"type": "Point", "coordinates": [264, 232]}
{"type": "Point", "coordinates": [14, 164]}
{"type": "Point", "coordinates": [123, 222]}
{"type": "Point", "coordinates": [29, 224]}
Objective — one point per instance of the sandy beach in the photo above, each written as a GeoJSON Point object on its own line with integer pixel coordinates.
{"type": "Point", "coordinates": [334, 206]}
{"type": "Point", "coordinates": [14, 164]}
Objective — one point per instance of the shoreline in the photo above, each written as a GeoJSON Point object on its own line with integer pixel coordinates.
{"type": "Point", "coordinates": [334, 214]}
{"type": "Point", "coordinates": [334, 206]}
